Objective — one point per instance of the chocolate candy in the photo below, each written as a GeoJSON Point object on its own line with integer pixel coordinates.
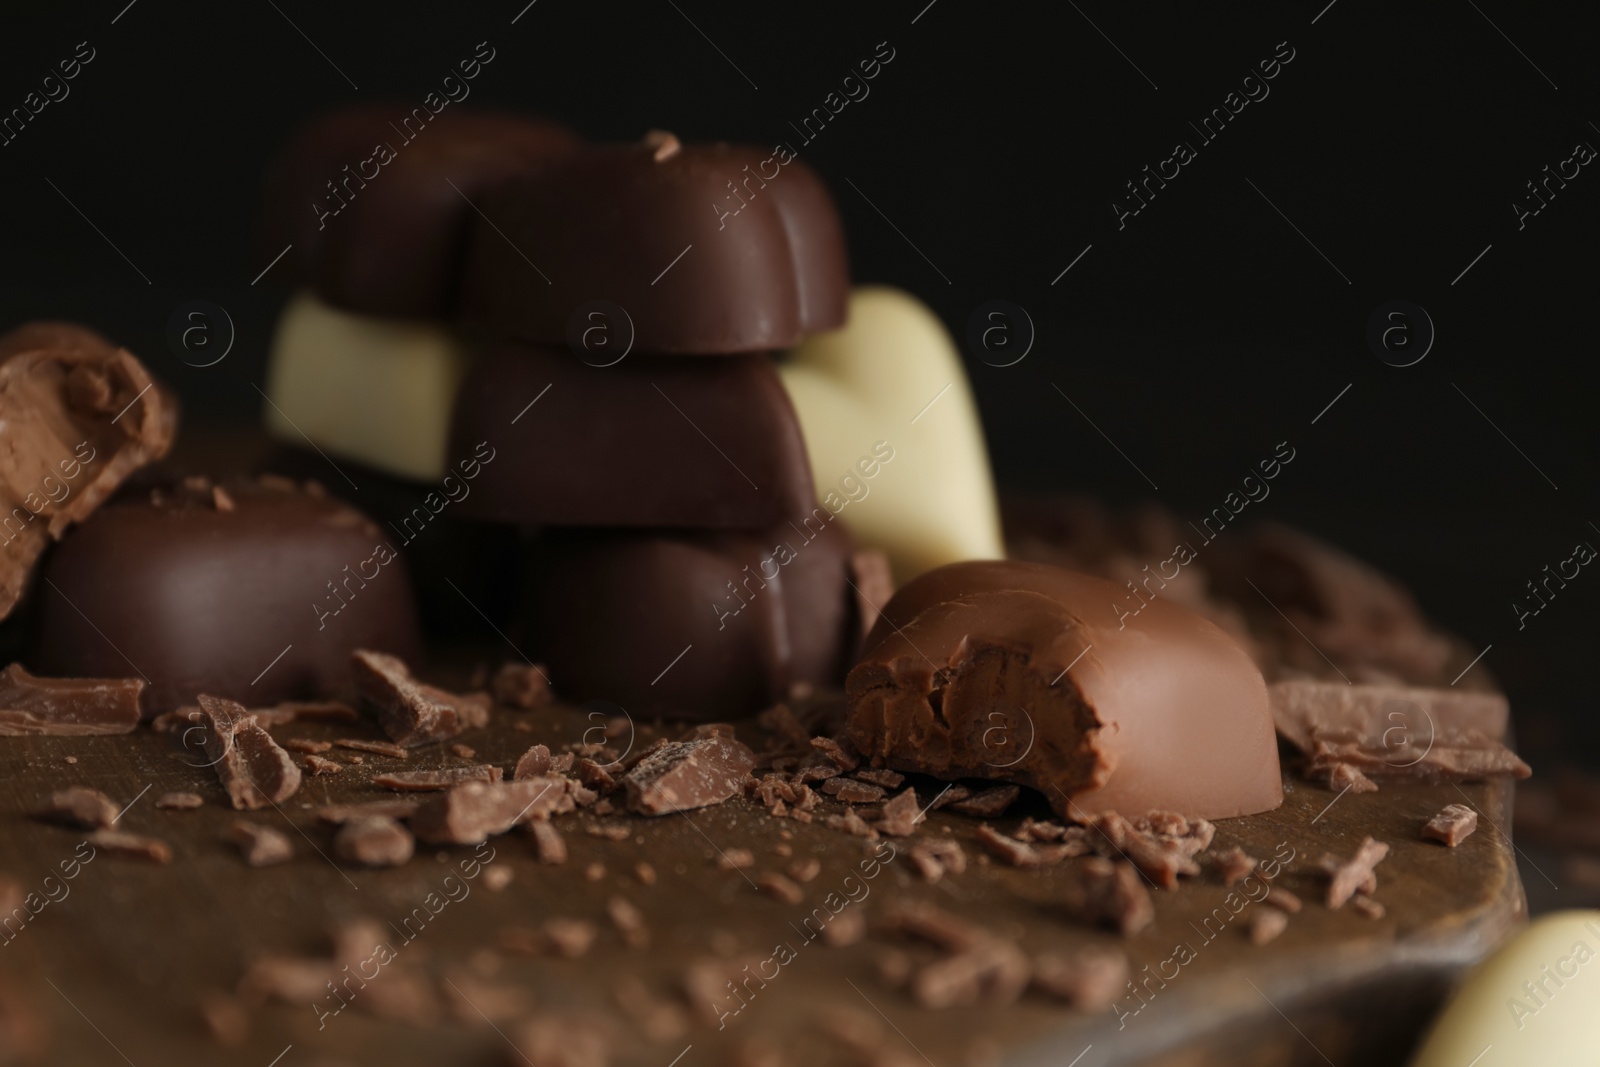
{"type": "Point", "coordinates": [374, 200]}
{"type": "Point", "coordinates": [1027, 673]}
{"type": "Point", "coordinates": [662, 442]}
{"type": "Point", "coordinates": [257, 591]}
{"type": "Point", "coordinates": [699, 625]}
{"type": "Point", "coordinates": [79, 417]}
{"type": "Point", "coordinates": [708, 249]}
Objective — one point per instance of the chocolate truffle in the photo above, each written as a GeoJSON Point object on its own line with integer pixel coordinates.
{"type": "Point", "coordinates": [709, 249]}
{"type": "Point", "coordinates": [1027, 673]}
{"type": "Point", "coordinates": [691, 625]}
{"type": "Point", "coordinates": [374, 200]}
{"type": "Point", "coordinates": [256, 591]}
{"type": "Point", "coordinates": [668, 441]}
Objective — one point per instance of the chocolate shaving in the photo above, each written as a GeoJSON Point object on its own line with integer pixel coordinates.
{"type": "Point", "coordinates": [900, 815]}
{"type": "Point", "coordinates": [936, 857]}
{"type": "Point", "coordinates": [1453, 825]}
{"type": "Point", "coordinates": [1022, 854]}
{"type": "Point", "coordinates": [65, 707]}
{"type": "Point", "coordinates": [393, 809]}
{"type": "Point", "coordinates": [988, 803]}
{"type": "Point", "coordinates": [1088, 979]}
{"type": "Point", "coordinates": [80, 806]}
{"type": "Point", "coordinates": [880, 776]}
{"type": "Point", "coordinates": [548, 842]}
{"type": "Point", "coordinates": [1160, 857]}
{"type": "Point", "coordinates": [440, 778]}
{"type": "Point", "coordinates": [851, 823]}
{"type": "Point", "coordinates": [305, 744]}
{"type": "Point", "coordinates": [1342, 776]}
{"type": "Point", "coordinates": [981, 968]}
{"type": "Point", "coordinates": [1356, 873]}
{"type": "Point", "coordinates": [413, 713]}
{"type": "Point", "coordinates": [469, 814]}
{"type": "Point", "coordinates": [179, 801]}
{"type": "Point", "coordinates": [377, 748]}
{"type": "Point", "coordinates": [1234, 865]}
{"type": "Point", "coordinates": [522, 685]}
{"type": "Point", "coordinates": [136, 846]}
{"type": "Point", "coordinates": [262, 846]}
{"type": "Point", "coordinates": [533, 763]}
{"type": "Point", "coordinates": [374, 840]}
{"type": "Point", "coordinates": [252, 767]}
{"type": "Point", "coordinates": [850, 791]}
{"type": "Point", "coordinates": [682, 775]}
{"type": "Point", "coordinates": [321, 767]}
{"type": "Point", "coordinates": [1113, 894]}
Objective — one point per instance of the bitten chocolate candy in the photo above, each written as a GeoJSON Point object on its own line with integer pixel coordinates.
{"type": "Point", "coordinates": [1020, 671]}
{"type": "Point", "coordinates": [374, 200]}
{"type": "Point", "coordinates": [257, 591]}
{"type": "Point", "coordinates": [699, 626]}
{"type": "Point", "coordinates": [665, 442]}
{"type": "Point", "coordinates": [709, 249]}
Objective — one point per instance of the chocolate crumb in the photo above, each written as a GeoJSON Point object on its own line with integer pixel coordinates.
{"type": "Point", "coordinates": [988, 803]}
{"type": "Point", "coordinates": [135, 846]}
{"type": "Point", "coordinates": [179, 801]}
{"type": "Point", "coordinates": [1453, 825]}
{"type": "Point", "coordinates": [663, 145]}
{"type": "Point", "coordinates": [570, 938]}
{"type": "Point", "coordinates": [374, 840]}
{"type": "Point", "coordinates": [441, 778]}
{"type": "Point", "coordinates": [681, 775]}
{"type": "Point", "coordinates": [1087, 979]}
{"type": "Point", "coordinates": [80, 806]}
{"type": "Point", "coordinates": [262, 846]}
{"type": "Point", "coordinates": [463, 751]}
{"type": "Point", "coordinates": [561, 1041]}
{"type": "Point", "coordinates": [321, 767]}
{"type": "Point", "coordinates": [657, 1018]}
{"type": "Point", "coordinates": [1356, 873]}
{"type": "Point", "coordinates": [413, 713]}
{"type": "Point", "coordinates": [850, 791]}
{"type": "Point", "coordinates": [629, 921]}
{"type": "Point", "coordinates": [804, 870]}
{"type": "Point", "coordinates": [548, 842]}
{"type": "Point", "coordinates": [252, 767]}
{"type": "Point", "coordinates": [1266, 924]}
{"type": "Point", "coordinates": [779, 888]}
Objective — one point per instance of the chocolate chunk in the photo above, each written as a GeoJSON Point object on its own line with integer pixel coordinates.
{"type": "Point", "coordinates": [726, 450]}
{"type": "Point", "coordinates": [380, 748]}
{"type": "Point", "coordinates": [522, 685]}
{"type": "Point", "coordinates": [67, 707]}
{"type": "Point", "coordinates": [80, 416]}
{"type": "Point", "coordinates": [1025, 672]}
{"type": "Point", "coordinates": [849, 791]}
{"type": "Point", "coordinates": [548, 842]}
{"type": "Point", "coordinates": [1234, 865]}
{"type": "Point", "coordinates": [533, 763]}
{"type": "Point", "coordinates": [321, 767]}
{"type": "Point", "coordinates": [629, 921]}
{"type": "Point", "coordinates": [411, 712]}
{"type": "Point", "coordinates": [252, 768]}
{"type": "Point", "coordinates": [442, 778]}
{"type": "Point", "coordinates": [80, 806]}
{"type": "Point", "coordinates": [1159, 857]}
{"type": "Point", "coordinates": [292, 583]}
{"type": "Point", "coordinates": [1453, 825]}
{"type": "Point", "coordinates": [262, 846]}
{"type": "Point", "coordinates": [471, 813]}
{"type": "Point", "coordinates": [179, 801]}
{"type": "Point", "coordinates": [1355, 873]}
{"type": "Point", "coordinates": [1113, 894]}
{"type": "Point", "coordinates": [1343, 776]}
{"type": "Point", "coordinates": [136, 846]}
{"type": "Point", "coordinates": [392, 809]}
{"type": "Point", "coordinates": [886, 779]}
{"type": "Point", "coordinates": [682, 775]}
{"type": "Point", "coordinates": [1266, 924]}
{"type": "Point", "coordinates": [391, 242]}
{"type": "Point", "coordinates": [1088, 979]}
{"type": "Point", "coordinates": [375, 840]}
{"type": "Point", "coordinates": [617, 220]}
{"type": "Point", "coordinates": [901, 814]}
{"type": "Point", "coordinates": [988, 803]}
{"type": "Point", "coordinates": [461, 751]}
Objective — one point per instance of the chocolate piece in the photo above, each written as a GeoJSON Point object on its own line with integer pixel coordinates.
{"type": "Point", "coordinates": [249, 763]}
{"type": "Point", "coordinates": [532, 763]}
{"type": "Point", "coordinates": [1280, 898]}
{"type": "Point", "coordinates": [1021, 854]}
{"type": "Point", "coordinates": [179, 801]}
{"type": "Point", "coordinates": [67, 707]}
{"type": "Point", "coordinates": [1355, 873]}
{"type": "Point", "coordinates": [411, 712]}
{"type": "Point", "coordinates": [848, 791]}
{"type": "Point", "coordinates": [377, 748]}
{"type": "Point", "coordinates": [1234, 865]}
{"type": "Point", "coordinates": [682, 775]}
{"type": "Point", "coordinates": [1366, 907]}
{"type": "Point", "coordinates": [1097, 706]}
{"type": "Point", "coordinates": [885, 778]}
{"type": "Point", "coordinates": [570, 938]}
{"type": "Point", "coordinates": [937, 857]}
{"type": "Point", "coordinates": [1266, 924]}
{"type": "Point", "coordinates": [1088, 979]}
{"type": "Point", "coordinates": [262, 846]}
{"type": "Point", "coordinates": [260, 604]}
{"type": "Point", "coordinates": [79, 416]}
{"type": "Point", "coordinates": [339, 814]}
{"type": "Point", "coordinates": [629, 921]}
{"type": "Point", "coordinates": [779, 888]}
{"type": "Point", "coordinates": [471, 813]}
{"type": "Point", "coordinates": [135, 846]}
{"type": "Point", "coordinates": [1159, 857]}
{"type": "Point", "coordinates": [1342, 776]}
{"type": "Point", "coordinates": [1453, 825]}
{"type": "Point", "coordinates": [464, 752]}
{"type": "Point", "coordinates": [852, 824]}
{"type": "Point", "coordinates": [807, 869]}
{"type": "Point", "coordinates": [548, 842]}
{"type": "Point", "coordinates": [735, 859]}
{"type": "Point", "coordinates": [321, 767]}
{"type": "Point", "coordinates": [900, 815]}
{"type": "Point", "coordinates": [375, 840]}
{"type": "Point", "coordinates": [80, 806]}
{"type": "Point", "coordinates": [1110, 893]}
{"type": "Point", "coordinates": [989, 803]}
{"type": "Point", "coordinates": [692, 625]}
{"type": "Point", "coordinates": [442, 778]}
{"type": "Point", "coordinates": [391, 242]}
{"type": "Point", "coordinates": [522, 685]}
{"type": "Point", "coordinates": [757, 272]}
{"type": "Point", "coordinates": [610, 831]}
{"type": "Point", "coordinates": [686, 443]}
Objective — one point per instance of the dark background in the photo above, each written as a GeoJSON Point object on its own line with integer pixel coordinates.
{"type": "Point", "coordinates": [1196, 338]}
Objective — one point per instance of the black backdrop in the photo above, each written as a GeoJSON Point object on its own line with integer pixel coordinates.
{"type": "Point", "coordinates": [1221, 319]}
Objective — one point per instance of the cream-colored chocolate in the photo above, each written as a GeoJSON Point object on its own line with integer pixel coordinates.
{"type": "Point", "coordinates": [77, 416]}
{"type": "Point", "coordinates": [893, 375]}
{"type": "Point", "coordinates": [378, 391]}
{"type": "Point", "coordinates": [1025, 672]}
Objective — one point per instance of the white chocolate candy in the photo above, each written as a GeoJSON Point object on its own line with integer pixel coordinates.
{"type": "Point", "coordinates": [378, 391]}
{"type": "Point", "coordinates": [1535, 1001]}
{"type": "Point", "coordinates": [893, 376]}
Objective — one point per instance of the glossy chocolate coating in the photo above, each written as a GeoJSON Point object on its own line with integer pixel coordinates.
{"type": "Point", "coordinates": [608, 611]}
{"type": "Point", "coordinates": [1026, 672]}
{"type": "Point", "coordinates": [661, 232]}
{"type": "Point", "coordinates": [662, 442]}
{"type": "Point", "coordinates": [197, 592]}
{"type": "Point", "coordinates": [394, 234]}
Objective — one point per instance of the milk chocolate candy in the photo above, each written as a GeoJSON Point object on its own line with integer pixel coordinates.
{"type": "Point", "coordinates": [1025, 672]}
{"type": "Point", "coordinates": [708, 249]}
{"type": "Point", "coordinates": [694, 625]}
{"type": "Point", "coordinates": [374, 200]}
{"type": "Point", "coordinates": [79, 416]}
{"type": "Point", "coordinates": [663, 442]}
{"type": "Point", "coordinates": [256, 591]}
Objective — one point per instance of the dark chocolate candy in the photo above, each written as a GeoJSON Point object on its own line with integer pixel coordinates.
{"type": "Point", "coordinates": [257, 593]}
{"type": "Point", "coordinates": [1029, 673]}
{"type": "Point", "coordinates": [709, 249]}
{"type": "Point", "coordinates": [364, 196]}
{"type": "Point", "coordinates": [671, 442]}
{"type": "Point", "coordinates": [79, 417]}
{"type": "Point", "coordinates": [693, 625]}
